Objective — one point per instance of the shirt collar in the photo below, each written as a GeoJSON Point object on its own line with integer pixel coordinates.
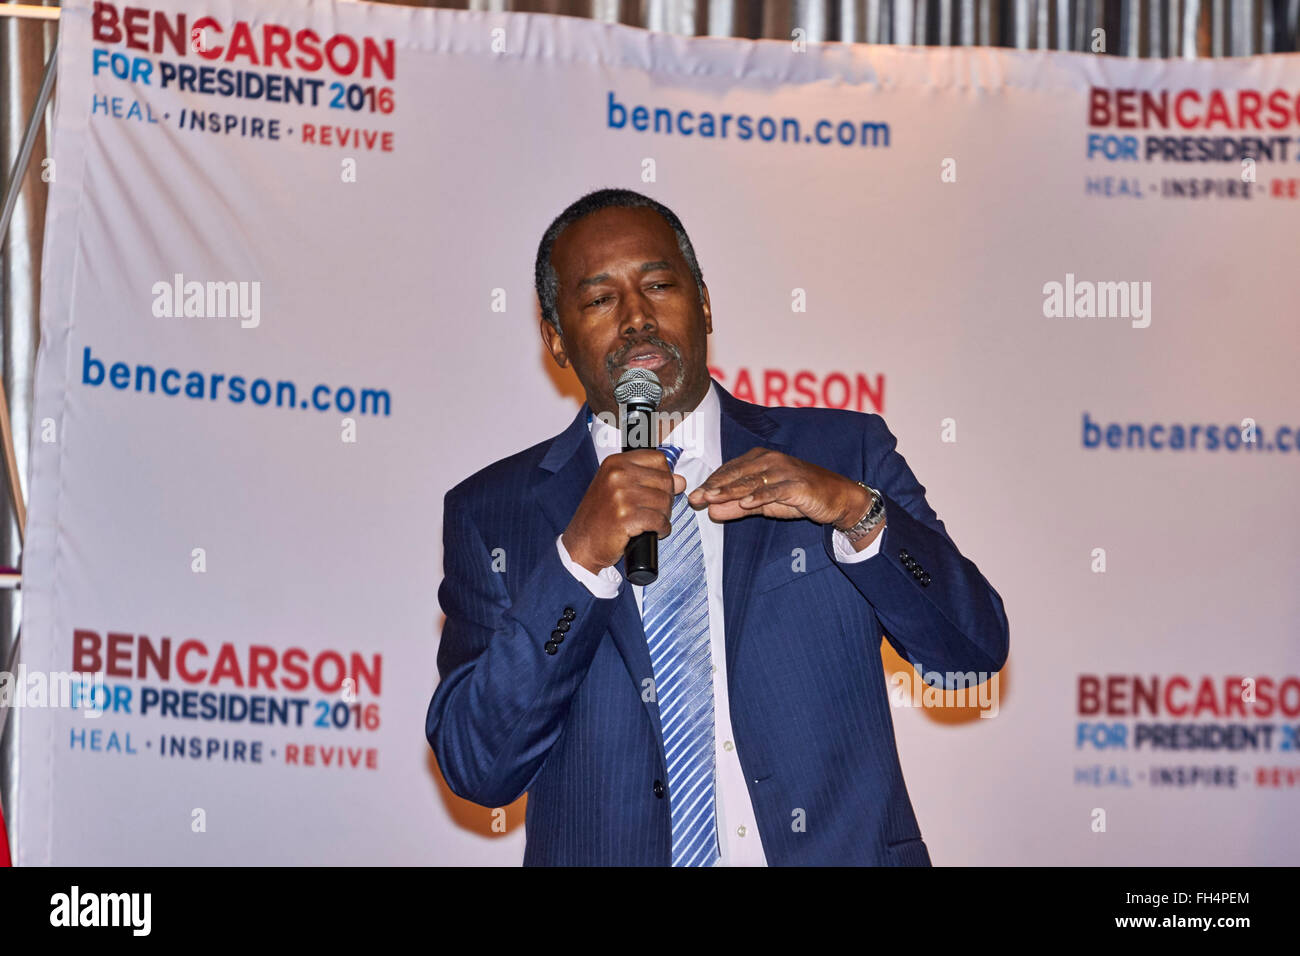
{"type": "Point", "coordinates": [699, 434]}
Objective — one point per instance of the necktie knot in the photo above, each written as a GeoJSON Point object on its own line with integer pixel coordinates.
{"type": "Point", "coordinates": [672, 453]}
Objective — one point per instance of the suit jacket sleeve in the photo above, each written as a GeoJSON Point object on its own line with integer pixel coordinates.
{"type": "Point", "coordinates": [502, 699]}
{"type": "Point", "coordinates": [956, 622]}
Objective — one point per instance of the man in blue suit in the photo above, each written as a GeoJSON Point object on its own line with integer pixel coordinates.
{"type": "Point", "coordinates": [734, 711]}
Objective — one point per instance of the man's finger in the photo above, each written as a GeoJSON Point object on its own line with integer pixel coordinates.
{"type": "Point", "coordinates": [728, 471]}
{"type": "Point", "coordinates": [648, 474]}
{"type": "Point", "coordinates": [773, 491]}
{"type": "Point", "coordinates": [739, 487]}
{"type": "Point", "coordinates": [647, 458]}
{"type": "Point", "coordinates": [727, 511]}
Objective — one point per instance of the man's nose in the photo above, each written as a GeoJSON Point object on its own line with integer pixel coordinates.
{"type": "Point", "coordinates": [639, 317]}
{"type": "Point", "coordinates": [639, 324]}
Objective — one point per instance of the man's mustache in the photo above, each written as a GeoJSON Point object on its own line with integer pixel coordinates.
{"type": "Point", "coordinates": [618, 358]}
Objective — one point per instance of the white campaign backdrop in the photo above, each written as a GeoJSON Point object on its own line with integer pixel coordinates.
{"type": "Point", "coordinates": [389, 282]}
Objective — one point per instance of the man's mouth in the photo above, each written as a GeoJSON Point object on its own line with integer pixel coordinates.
{"type": "Point", "coordinates": [646, 357]}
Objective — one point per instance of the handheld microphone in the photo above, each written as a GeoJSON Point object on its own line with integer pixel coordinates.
{"type": "Point", "coordinates": [638, 392]}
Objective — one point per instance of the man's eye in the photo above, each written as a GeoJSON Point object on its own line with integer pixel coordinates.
{"type": "Point", "coordinates": [597, 301]}
{"type": "Point", "coordinates": [661, 285]}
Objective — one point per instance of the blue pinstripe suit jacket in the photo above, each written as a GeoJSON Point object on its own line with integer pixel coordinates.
{"type": "Point", "coordinates": [810, 710]}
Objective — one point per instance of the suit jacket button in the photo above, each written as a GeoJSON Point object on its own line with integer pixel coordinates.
{"type": "Point", "coordinates": [658, 789]}
{"type": "Point", "coordinates": [557, 637]}
{"type": "Point", "coordinates": [570, 614]}
{"type": "Point", "coordinates": [925, 578]}
{"type": "Point", "coordinates": [551, 647]}
{"type": "Point", "coordinates": [562, 626]}
{"type": "Point", "coordinates": [904, 555]}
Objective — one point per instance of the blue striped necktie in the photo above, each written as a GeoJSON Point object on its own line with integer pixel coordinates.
{"type": "Point", "coordinates": [675, 617]}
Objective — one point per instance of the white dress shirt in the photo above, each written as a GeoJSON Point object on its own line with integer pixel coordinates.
{"type": "Point", "coordinates": [699, 435]}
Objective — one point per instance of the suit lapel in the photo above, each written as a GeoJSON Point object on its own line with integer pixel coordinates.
{"type": "Point", "coordinates": [745, 540]}
{"type": "Point", "coordinates": [570, 464]}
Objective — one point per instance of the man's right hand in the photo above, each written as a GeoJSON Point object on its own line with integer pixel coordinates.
{"type": "Point", "coordinates": [632, 492]}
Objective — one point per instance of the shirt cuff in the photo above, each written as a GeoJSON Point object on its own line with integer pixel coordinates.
{"type": "Point", "coordinates": [603, 585]}
{"type": "Point", "coordinates": [844, 552]}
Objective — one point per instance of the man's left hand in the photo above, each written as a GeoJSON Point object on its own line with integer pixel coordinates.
{"type": "Point", "coordinates": [769, 483]}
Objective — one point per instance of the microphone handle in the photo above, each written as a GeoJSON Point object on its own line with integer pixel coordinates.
{"type": "Point", "coordinates": [641, 556]}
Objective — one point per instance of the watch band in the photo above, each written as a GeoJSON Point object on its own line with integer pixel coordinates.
{"type": "Point", "coordinates": [869, 521]}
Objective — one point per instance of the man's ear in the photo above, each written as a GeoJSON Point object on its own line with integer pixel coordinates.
{"type": "Point", "coordinates": [708, 309]}
{"type": "Point", "coordinates": [554, 341]}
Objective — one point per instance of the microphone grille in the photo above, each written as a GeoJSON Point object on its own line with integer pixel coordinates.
{"type": "Point", "coordinates": [638, 386]}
